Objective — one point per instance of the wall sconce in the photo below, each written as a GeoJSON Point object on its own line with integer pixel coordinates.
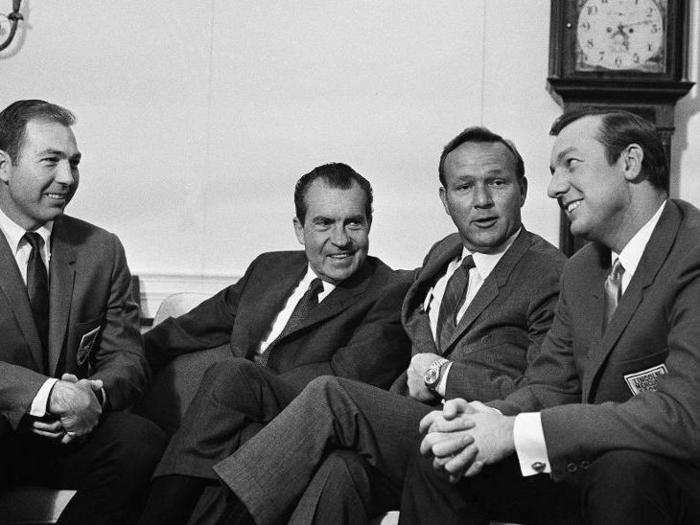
{"type": "Point", "coordinates": [13, 17]}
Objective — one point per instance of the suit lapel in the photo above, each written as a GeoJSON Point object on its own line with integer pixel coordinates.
{"type": "Point", "coordinates": [491, 286]}
{"type": "Point", "coordinates": [653, 258]}
{"type": "Point", "coordinates": [270, 302]}
{"type": "Point", "coordinates": [414, 317]}
{"type": "Point", "coordinates": [61, 283]}
{"type": "Point", "coordinates": [15, 292]}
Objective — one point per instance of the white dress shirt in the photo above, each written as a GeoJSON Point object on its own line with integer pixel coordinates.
{"type": "Point", "coordinates": [283, 317]}
{"type": "Point", "coordinates": [528, 434]}
{"type": "Point", "coordinates": [21, 249]}
{"type": "Point", "coordinates": [484, 263]}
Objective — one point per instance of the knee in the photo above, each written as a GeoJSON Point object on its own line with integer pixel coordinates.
{"type": "Point", "coordinates": [137, 443]}
{"type": "Point", "coordinates": [320, 385]}
{"type": "Point", "coordinates": [223, 372]}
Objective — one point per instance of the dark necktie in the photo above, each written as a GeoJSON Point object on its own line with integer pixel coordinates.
{"type": "Point", "coordinates": [613, 291]}
{"type": "Point", "coordinates": [38, 291]}
{"type": "Point", "coordinates": [452, 300]}
{"type": "Point", "coordinates": [304, 307]}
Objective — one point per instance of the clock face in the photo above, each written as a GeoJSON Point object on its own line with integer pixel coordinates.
{"type": "Point", "coordinates": [619, 35]}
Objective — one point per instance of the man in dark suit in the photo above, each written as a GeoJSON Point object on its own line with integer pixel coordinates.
{"type": "Point", "coordinates": [71, 357]}
{"type": "Point", "coordinates": [609, 418]}
{"type": "Point", "coordinates": [352, 330]}
{"type": "Point", "coordinates": [476, 314]}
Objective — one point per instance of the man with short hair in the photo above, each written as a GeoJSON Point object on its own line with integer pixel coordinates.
{"type": "Point", "coordinates": [293, 316]}
{"type": "Point", "coordinates": [608, 422]}
{"type": "Point", "coordinates": [71, 357]}
{"type": "Point", "coordinates": [476, 314]}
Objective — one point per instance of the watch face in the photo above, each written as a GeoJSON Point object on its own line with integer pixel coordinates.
{"type": "Point", "coordinates": [621, 35]}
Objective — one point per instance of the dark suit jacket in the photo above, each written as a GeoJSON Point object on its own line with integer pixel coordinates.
{"type": "Point", "coordinates": [354, 332]}
{"type": "Point", "coordinates": [501, 330]}
{"type": "Point", "coordinates": [89, 289]}
{"type": "Point", "coordinates": [657, 321]}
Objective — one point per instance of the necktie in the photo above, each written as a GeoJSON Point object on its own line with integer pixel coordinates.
{"type": "Point", "coordinates": [304, 307]}
{"type": "Point", "coordinates": [613, 291]}
{"type": "Point", "coordinates": [38, 291]}
{"type": "Point", "coordinates": [452, 300]}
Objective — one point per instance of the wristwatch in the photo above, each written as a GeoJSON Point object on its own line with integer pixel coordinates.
{"type": "Point", "coordinates": [434, 373]}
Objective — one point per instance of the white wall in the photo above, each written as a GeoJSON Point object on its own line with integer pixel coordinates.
{"type": "Point", "coordinates": [196, 118]}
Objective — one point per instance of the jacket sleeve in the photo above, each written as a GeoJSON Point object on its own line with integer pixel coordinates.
{"type": "Point", "coordinates": [379, 349]}
{"type": "Point", "coordinates": [208, 325]}
{"type": "Point", "coordinates": [119, 360]}
{"type": "Point", "coordinates": [18, 387]}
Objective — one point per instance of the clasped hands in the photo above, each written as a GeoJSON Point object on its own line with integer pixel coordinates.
{"type": "Point", "coordinates": [73, 409]}
{"type": "Point", "coordinates": [463, 437]}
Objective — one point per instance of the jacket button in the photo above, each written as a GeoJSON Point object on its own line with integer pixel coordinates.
{"type": "Point", "coordinates": [485, 339]}
{"type": "Point", "coordinates": [585, 464]}
{"type": "Point", "coordinates": [571, 467]}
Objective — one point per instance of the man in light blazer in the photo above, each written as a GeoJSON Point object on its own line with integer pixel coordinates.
{"type": "Point", "coordinates": [353, 331]}
{"type": "Point", "coordinates": [318, 471]}
{"type": "Point", "coordinates": [609, 419]}
{"type": "Point", "coordinates": [71, 358]}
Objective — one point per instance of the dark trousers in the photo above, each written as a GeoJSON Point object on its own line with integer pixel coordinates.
{"type": "Point", "coordinates": [235, 399]}
{"type": "Point", "coordinates": [110, 468]}
{"type": "Point", "coordinates": [293, 467]}
{"type": "Point", "coordinates": [621, 487]}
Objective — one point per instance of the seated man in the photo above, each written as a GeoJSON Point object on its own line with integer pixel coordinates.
{"type": "Point", "coordinates": [610, 416]}
{"type": "Point", "coordinates": [476, 315]}
{"type": "Point", "coordinates": [71, 357]}
{"type": "Point", "coordinates": [293, 316]}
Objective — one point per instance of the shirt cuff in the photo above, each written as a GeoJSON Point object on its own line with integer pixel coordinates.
{"type": "Point", "coordinates": [41, 399]}
{"type": "Point", "coordinates": [530, 445]}
{"type": "Point", "coordinates": [441, 388]}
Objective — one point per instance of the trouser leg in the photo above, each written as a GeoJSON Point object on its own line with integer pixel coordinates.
{"type": "Point", "coordinates": [499, 492]}
{"type": "Point", "coordinates": [234, 400]}
{"type": "Point", "coordinates": [110, 470]}
{"type": "Point", "coordinates": [339, 493]}
{"type": "Point", "coordinates": [232, 395]}
{"type": "Point", "coordinates": [270, 473]}
{"type": "Point", "coordinates": [629, 487]}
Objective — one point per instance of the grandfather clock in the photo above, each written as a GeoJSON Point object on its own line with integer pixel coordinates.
{"type": "Point", "coordinates": [619, 54]}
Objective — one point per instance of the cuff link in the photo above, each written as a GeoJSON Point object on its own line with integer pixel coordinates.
{"type": "Point", "coordinates": [538, 466]}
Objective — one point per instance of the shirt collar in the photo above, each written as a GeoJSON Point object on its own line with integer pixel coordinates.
{"type": "Point", "coordinates": [310, 276]}
{"type": "Point", "coordinates": [632, 253]}
{"type": "Point", "coordinates": [14, 232]}
{"type": "Point", "coordinates": [486, 262]}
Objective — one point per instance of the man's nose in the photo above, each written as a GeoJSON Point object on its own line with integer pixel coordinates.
{"type": "Point", "coordinates": [558, 185]}
{"type": "Point", "coordinates": [64, 174]}
{"type": "Point", "coordinates": [482, 196]}
{"type": "Point", "coordinates": [339, 236]}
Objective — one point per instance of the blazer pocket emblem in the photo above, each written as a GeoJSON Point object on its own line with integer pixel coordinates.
{"type": "Point", "coordinates": [645, 380]}
{"type": "Point", "coordinates": [87, 342]}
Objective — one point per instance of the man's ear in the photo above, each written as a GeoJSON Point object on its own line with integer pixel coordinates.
{"type": "Point", "coordinates": [632, 157]}
{"type": "Point", "coordinates": [523, 190]}
{"type": "Point", "coordinates": [299, 230]}
{"type": "Point", "coordinates": [443, 197]}
{"type": "Point", "coordinates": [5, 163]}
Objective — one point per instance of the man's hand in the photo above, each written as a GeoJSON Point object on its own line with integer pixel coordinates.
{"type": "Point", "coordinates": [416, 376]}
{"type": "Point", "coordinates": [75, 405]}
{"type": "Point", "coordinates": [464, 437]}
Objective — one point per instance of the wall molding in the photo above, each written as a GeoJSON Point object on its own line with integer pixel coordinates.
{"type": "Point", "coordinates": [157, 286]}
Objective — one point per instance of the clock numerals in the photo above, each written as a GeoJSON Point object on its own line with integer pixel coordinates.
{"type": "Point", "coordinates": [621, 35]}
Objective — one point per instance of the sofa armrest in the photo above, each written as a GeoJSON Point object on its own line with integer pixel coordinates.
{"type": "Point", "coordinates": [175, 385]}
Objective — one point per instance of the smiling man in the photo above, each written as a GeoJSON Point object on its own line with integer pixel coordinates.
{"type": "Point", "coordinates": [293, 316]}
{"type": "Point", "coordinates": [71, 357]}
{"type": "Point", "coordinates": [609, 418]}
{"type": "Point", "coordinates": [476, 314]}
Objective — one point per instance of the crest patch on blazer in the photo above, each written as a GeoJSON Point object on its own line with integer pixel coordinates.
{"type": "Point", "coordinates": [645, 380]}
